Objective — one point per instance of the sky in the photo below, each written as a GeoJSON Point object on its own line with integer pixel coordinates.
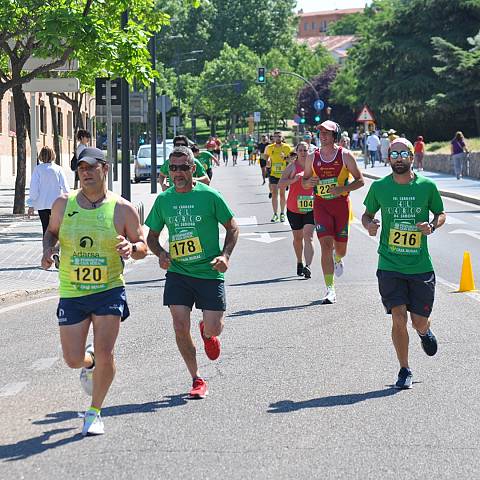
{"type": "Point", "coordinates": [318, 6]}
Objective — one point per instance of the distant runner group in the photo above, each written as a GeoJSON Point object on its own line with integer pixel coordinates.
{"type": "Point", "coordinates": [97, 231]}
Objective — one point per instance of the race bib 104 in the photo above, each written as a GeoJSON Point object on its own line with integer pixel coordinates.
{"type": "Point", "coordinates": [305, 203]}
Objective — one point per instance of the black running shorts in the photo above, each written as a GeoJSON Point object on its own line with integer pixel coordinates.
{"type": "Point", "coordinates": [206, 294]}
{"type": "Point", "coordinates": [415, 290]}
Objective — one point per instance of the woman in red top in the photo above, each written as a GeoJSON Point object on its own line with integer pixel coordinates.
{"type": "Point", "coordinates": [300, 209]}
{"type": "Point", "coordinates": [419, 149]}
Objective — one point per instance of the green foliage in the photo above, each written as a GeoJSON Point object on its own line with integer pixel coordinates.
{"type": "Point", "coordinates": [347, 25]}
{"type": "Point", "coordinates": [392, 66]}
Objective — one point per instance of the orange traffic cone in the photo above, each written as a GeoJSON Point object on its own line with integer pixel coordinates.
{"type": "Point", "coordinates": [467, 283]}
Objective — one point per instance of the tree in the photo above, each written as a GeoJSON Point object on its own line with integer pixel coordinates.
{"type": "Point", "coordinates": [394, 59]}
{"type": "Point", "coordinates": [90, 29]}
{"type": "Point", "coordinates": [347, 25]}
{"type": "Point", "coordinates": [460, 72]}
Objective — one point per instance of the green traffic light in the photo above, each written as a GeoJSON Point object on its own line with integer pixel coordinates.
{"type": "Point", "coordinates": [261, 79]}
{"type": "Point", "coordinates": [317, 118]}
{"type": "Point", "coordinates": [302, 120]}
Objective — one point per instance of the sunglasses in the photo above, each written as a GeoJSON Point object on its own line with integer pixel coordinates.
{"type": "Point", "coordinates": [185, 167]}
{"type": "Point", "coordinates": [180, 145]}
{"type": "Point", "coordinates": [404, 154]}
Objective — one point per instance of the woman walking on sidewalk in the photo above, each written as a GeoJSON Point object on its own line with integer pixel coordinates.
{"type": "Point", "coordinates": [458, 150]}
{"type": "Point", "coordinates": [47, 184]}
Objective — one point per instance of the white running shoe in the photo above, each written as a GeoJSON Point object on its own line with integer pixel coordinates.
{"type": "Point", "coordinates": [92, 424]}
{"type": "Point", "coordinates": [338, 268]}
{"type": "Point", "coordinates": [330, 297]}
{"type": "Point", "coordinates": [86, 374]}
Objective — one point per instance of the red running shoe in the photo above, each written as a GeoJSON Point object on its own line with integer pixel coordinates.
{"type": "Point", "coordinates": [199, 388]}
{"type": "Point", "coordinates": [212, 344]}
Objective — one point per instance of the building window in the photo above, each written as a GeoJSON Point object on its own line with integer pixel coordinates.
{"type": "Point", "coordinates": [43, 118]}
{"type": "Point", "coordinates": [314, 25]}
{"type": "Point", "coordinates": [323, 26]}
{"type": "Point", "coordinates": [11, 119]}
{"type": "Point", "coordinates": [60, 122]}
{"type": "Point", "coordinates": [69, 125]}
{"type": "Point", "coordinates": [305, 26]}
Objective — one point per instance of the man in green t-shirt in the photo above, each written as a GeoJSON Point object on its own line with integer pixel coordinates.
{"type": "Point", "coordinates": [250, 144]}
{"type": "Point", "coordinates": [164, 178]}
{"type": "Point", "coordinates": [406, 279]}
{"type": "Point", "coordinates": [196, 264]}
{"type": "Point", "coordinates": [206, 159]}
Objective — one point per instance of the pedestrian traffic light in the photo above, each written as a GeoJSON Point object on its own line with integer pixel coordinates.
{"type": "Point", "coordinates": [302, 116]}
{"type": "Point", "coordinates": [261, 75]}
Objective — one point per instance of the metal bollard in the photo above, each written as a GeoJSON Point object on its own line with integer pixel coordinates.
{"type": "Point", "coordinates": [141, 212]}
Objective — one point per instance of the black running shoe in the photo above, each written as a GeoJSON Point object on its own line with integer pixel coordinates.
{"type": "Point", "coordinates": [270, 195]}
{"type": "Point", "coordinates": [405, 379]}
{"type": "Point", "coordinates": [56, 260]}
{"type": "Point", "coordinates": [300, 269]}
{"type": "Point", "coordinates": [307, 273]}
{"type": "Point", "coordinates": [429, 343]}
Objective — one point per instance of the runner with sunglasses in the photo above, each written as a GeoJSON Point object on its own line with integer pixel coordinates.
{"type": "Point", "coordinates": [164, 177]}
{"type": "Point", "coordinates": [300, 209]}
{"type": "Point", "coordinates": [195, 262]}
{"type": "Point", "coordinates": [406, 279]}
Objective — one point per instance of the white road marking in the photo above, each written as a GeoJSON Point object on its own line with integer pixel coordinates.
{"type": "Point", "coordinates": [246, 221]}
{"type": "Point", "coordinates": [265, 238]}
{"type": "Point", "coordinates": [470, 233]}
{"type": "Point", "coordinates": [43, 363]}
{"type": "Point", "coordinates": [11, 389]}
{"type": "Point", "coordinates": [452, 220]}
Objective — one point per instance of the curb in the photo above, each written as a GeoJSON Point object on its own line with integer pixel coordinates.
{"type": "Point", "coordinates": [18, 296]}
{"type": "Point", "coordinates": [443, 193]}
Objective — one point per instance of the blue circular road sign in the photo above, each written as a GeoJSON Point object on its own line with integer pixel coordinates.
{"type": "Point", "coordinates": [318, 105]}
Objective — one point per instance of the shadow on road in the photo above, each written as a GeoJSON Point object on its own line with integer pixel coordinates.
{"type": "Point", "coordinates": [127, 409]}
{"type": "Point", "coordinates": [262, 282]}
{"type": "Point", "coordinates": [143, 282]}
{"type": "Point", "coordinates": [33, 446]}
{"type": "Point", "coordinates": [286, 406]}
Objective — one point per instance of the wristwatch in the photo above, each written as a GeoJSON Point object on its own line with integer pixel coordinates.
{"type": "Point", "coordinates": [134, 247]}
{"type": "Point", "coordinates": [432, 227]}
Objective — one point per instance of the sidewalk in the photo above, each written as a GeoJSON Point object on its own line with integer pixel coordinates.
{"type": "Point", "coordinates": [21, 276]}
{"type": "Point", "coordinates": [466, 189]}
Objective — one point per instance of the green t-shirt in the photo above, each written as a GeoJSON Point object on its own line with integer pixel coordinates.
{"type": "Point", "coordinates": [205, 158]}
{"type": "Point", "coordinates": [192, 220]}
{"type": "Point", "coordinates": [250, 144]}
{"type": "Point", "coordinates": [225, 147]}
{"type": "Point", "coordinates": [402, 247]}
{"type": "Point", "coordinates": [234, 145]}
{"type": "Point", "coordinates": [199, 170]}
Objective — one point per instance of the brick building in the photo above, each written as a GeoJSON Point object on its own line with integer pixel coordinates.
{"type": "Point", "coordinates": [65, 120]}
{"type": "Point", "coordinates": [313, 26]}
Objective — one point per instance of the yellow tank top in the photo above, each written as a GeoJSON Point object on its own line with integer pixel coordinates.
{"type": "Point", "coordinates": [89, 262]}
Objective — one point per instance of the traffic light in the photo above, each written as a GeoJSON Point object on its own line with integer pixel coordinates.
{"type": "Point", "coordinates": [261, 75]}
{"type": "Point", "coordinates": [317, 118]}
{"type": "Point", "coordinates": [302, 116]}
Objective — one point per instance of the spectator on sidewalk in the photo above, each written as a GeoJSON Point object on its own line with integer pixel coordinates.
{"type": "Point", "coordinates": [345, 140]}
{"type": "Point", "coordinates": [373, 142]}
{"type": "Point", "coordinates": [84, 138]}
{"type": "Point", "coordinates": [384, 147]}
{"type": "Point", "coordinates": [392, 135]}
{"type": "Point", "coordinates": [47, 184]}
{"type": "Point", "coordinates": [355, 140]}
{"type": "Point", "coordinates": [419, 148]}
{"type": "Point", "coordinates": [458, 150]}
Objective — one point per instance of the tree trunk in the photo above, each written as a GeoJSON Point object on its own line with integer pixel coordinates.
{"type": "Point", "coordinates": [56, 140]}
{"type": "Point", "coordinates": [19, 104]}
{"type": "Point", "coordinates": [213, 126]}
{"type": "Point", "coordinates": [476, 109]}
{"type": "Point", "coordinates": [233, 122]}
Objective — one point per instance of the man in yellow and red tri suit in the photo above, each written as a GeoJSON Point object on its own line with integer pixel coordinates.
{"type": "Point", "coordinates": [328, 170]}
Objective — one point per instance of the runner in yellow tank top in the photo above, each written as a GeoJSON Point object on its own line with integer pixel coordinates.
{"type": "Point", "coordinates": [97, 230]}
{"type": "Point", "coordinates": [276, 155]}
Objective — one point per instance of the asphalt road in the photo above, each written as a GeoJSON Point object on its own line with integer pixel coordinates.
{"type": "Point", "coordinates": [301, 390]}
